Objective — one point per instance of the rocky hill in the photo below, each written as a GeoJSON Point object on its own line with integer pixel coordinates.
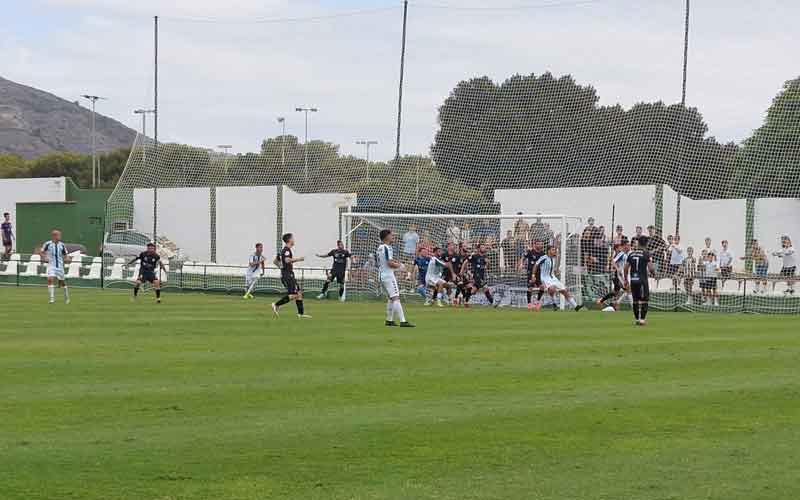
{"type": "Point", "coordinates": [34, 122]}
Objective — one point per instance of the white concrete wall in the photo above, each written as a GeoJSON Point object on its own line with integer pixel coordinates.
{"type": "Point", "coordinates": [634, 204]}
{"type": "Point", "coordinates": [717, 219]}
{"type": "Point", "coordinates": [314, 219]}
{"type": "Point", "coordinates": [183, 217]}
{"type": "Point", "coordinates": [13, 191]}
{"type": "Point", "coordinates": [245, 216]}
{"type": "Point", "coordinates": [775, 217]}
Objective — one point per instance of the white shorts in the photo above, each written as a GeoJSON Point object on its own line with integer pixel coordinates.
{"type": "Point", "coordinates": [54, 272]}
{"type": "Point", "coordinates": [390, 285]}
{"type": "Point", "coordinates": [554, 283]}
{"type": "Point", "coordinates": [250, 276]}
{"type": "Point", "coordinates": [433, 281]}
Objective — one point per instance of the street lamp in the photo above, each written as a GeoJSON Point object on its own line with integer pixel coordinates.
{"type": "Point", "coordinates": [95, 166]}
{"type": "Point", "coordinates": [144, 113]}
{"type": "Point", "coordinates": [306, 110]}
{"type": "Point", "coordinates": [367, 144]}
{"type": "Point", "coordinates": [282, 121]}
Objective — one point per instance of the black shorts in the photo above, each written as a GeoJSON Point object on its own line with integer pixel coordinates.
{"type": "Point", "coordinates": [788, 271]}
{"type": "Point", "coordinates": [290, 283]}
{"type": "Point", "coordinates": [617, 284]}
{"type": "Point", "coordinates": [7, 243]}
{"type": "Point", "coordinates": [640, 291]}
{"type": "Point", "coordinates": [708, 284]}
{"type": "Point", "coordinates": [726, 271]}
{"type": "Point", "coordinates": [534, 281]}
{"type": "Point", "coordinates": [147, 276]}
{"type": "Point", "coordinates": [337, 275]}
{"type": "Point", "coordinates": [478, 282]}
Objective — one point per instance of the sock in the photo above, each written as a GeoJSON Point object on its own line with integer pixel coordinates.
{"type": "Point", "coordinates": [135, 291]}
{"type": "Point", "coordinates": [398, 310]}
{"type": "Point", "coordinates": [572, 303]}
{"type": "Point", "coordinates": [284, 300]}
{"type": "Point", "coordinates": [529, 295]}
{"type": "Point", "coordinates": [467, 295]}
{"type": "Point", "coordinates": [489, 296]}
{"type": "Point", "coordinates": [326, 286]}
{"type": "Point", "coordinates": [636, 311]}
{"type": "Point", "coordinates": [51, 290]}
{"type": "Point", "coordinates": [539, 295]}
{"type": "Point", "coordinates": [158, 293]}
{"type": "Point", "coordinates": [299, 304]}
{"type": "Point", "coordinates": [644, 308]}
{"type": "Point", "coordinates": [66, 292]}
{"type": "Point", "coordinates": [389, 311]}
{"type": "Point", "coordinates": [341, 291]}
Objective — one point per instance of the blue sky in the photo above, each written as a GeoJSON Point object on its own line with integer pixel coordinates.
{"type": "Point", "coordinates": [227, 81]}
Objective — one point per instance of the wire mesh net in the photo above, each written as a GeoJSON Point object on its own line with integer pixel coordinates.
{"type": "Point", "coordinates": [536, 138]}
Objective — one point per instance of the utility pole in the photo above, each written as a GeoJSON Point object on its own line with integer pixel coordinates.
{"type": "Point", "coordinates": [402, 74]}
{"type": "Point", "coordinates": [367, 144]}
{"type": "Point", "coordinates": [95, 167]}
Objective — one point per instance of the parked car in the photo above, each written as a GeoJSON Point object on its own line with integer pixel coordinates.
{"type": "Point", "coordinates": [130, 243]}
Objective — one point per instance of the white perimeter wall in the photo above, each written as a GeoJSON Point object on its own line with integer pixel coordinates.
{"type": "Point", "coordinates": [245, 216]}
{"type": "Point", "coordinates": [183, 218]}
{"type": "Point", "coordinates": [314, 219]}
{"type": "Point", "coordinates": [13, 191]}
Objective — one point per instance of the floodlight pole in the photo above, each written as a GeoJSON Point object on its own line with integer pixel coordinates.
{"type": "Point", "coordinates": [279, 194]}
{"type": "Point", "coordinates": [306, 110]}
{"type": "Point", "coordinates": [155, 126]}
{"type": "Point", "coordinates": [95, 167]}
{"type": "Point", "coordinates": [683, 103]}
{"type": "Point", "coordinates": [402, 71]}
{"type": "Point", "coordinates": [367, 144]}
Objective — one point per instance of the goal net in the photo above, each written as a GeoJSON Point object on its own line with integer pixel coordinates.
{"type": "Point", "coordinates": [504, 239]}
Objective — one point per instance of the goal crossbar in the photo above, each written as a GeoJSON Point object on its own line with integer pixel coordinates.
{"type": "Point", "coordinates": [462, 216]}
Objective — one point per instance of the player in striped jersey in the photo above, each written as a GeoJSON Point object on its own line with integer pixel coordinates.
{"type": "Point", "coordinates": [546, 267]}
{"type": "Point", "coordinates": [55, 254]}
{"type": "Point", "coordinates": [386, 268]}
{"type": "Point", "coordinates": [433, 277]}
{"type": "Point", "coordinates": [255, 269]}
{"type": "Point", "coordinates": [621, 250]}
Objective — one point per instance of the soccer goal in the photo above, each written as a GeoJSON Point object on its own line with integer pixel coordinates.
{"type": "Point", "coordinates": [505, 238]}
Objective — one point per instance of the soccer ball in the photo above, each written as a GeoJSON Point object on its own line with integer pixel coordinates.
{"type": "Point", "coordinates": [609, 309]}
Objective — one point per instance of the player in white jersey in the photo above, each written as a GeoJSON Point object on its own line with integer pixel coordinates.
{"type": "Point", "coordinates": [386, 268]}
{"type": "Point", "coordinates": [618, 280]}
{"type": "Point", "coordinates": [255, 269]}
{"type": "Point", "coordinates": [546, 267]}
{"type": "Point", "coordinates": [55, 254]}
{"type": "Point", "coordinates": [434, 279]}
{"type": "Point", "coordinates": [789, 263]}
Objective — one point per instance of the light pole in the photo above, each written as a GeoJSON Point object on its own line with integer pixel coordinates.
{"type": "Point", "coordinates": [367, 144]}
{"type": "Point", "coordinates": [279, 193]}
{"type": "Point", "coordinates": [144, 113]}
{"type": "Point", "coordinates": [95, 168]}
{"type": "Point", "coordinates": [282, 121]}
{"type": "Point", "coordinates": [306, 110]}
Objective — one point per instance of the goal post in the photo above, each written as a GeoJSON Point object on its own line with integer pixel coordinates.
{"type": "Point", "coordinates": [505, 236]}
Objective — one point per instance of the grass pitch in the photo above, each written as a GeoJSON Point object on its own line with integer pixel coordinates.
{"type": "Point", "coordinates": [208, 397]}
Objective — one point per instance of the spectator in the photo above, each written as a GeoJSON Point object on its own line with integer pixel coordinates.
{"type": "Point", "coordinates": [537, 231]}
{"type": "Point", "coordinates": [521, 229]}
{"type": "Point", "coordinates": [657, 248]}
{"type": "Point", "coordinates": [421, 262]}
{"type": "Point", "coordinates": [8, 234]}
{"type": "Point", "coordinates": [601, 249]}
{"type": "Point", "coordinates": [519, 248]}
{"type": "Point", "coordinates": [619, 235]}
{"type": "Point", "coordinates": [588, 236]}
{"type": "Point", "coordinates": [466, 233]}
{"type": "Point", "coordinates": [708, 247]}
{"type": "Point", "coordinates": [675, 256]}
{"type": "Point", "coordinates": [549, 236]}
{"type": "Point", "coordinates": [725, 262]}
{"type": "Point", "coordinates": [709, 281]}
{"type": "Point", "coordinates": [789, 263]}
{"type": "Point", "coordinates": [453, 233]}
{"type": "Point", "coordinates": [410, 242]}
{"type": "Point", "coordinates": [760, 267]}
{"type": "Point", "coordinates": [509, 250]}
{"type": "Point", "coordinates": [688, 269]}
{"type": "Point", "coordinates": [638, 232]}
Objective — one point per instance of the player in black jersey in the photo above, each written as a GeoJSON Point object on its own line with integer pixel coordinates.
{"type": "Point", "coordinates": [148, 261]}
{"type": "Point", "coordinates": [338, 272]}
{"type": "Point", "coordinates": [533, 280]}
{"type": "Point", "coordinates": [453, 257]}
{"type": "Point", "coordinates": [285, 261]}
{"type": "Point", "coordinates": [477, 263]}
{"type": "Point", "coordinates": [621, 250]}
{"type": "Point", "coordinates": [637, 270]}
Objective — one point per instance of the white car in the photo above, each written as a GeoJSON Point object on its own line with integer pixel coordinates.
{"type": "Point", "coordinates": [130, 243]}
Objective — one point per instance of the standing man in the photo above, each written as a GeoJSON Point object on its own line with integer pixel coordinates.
{"type": "Point", "coordinates": [338, 272]}
{"type": "Point", "coordinates": [621, 250]}
{"type": "Point", "coordinates": [421, 262]}
{"type": "Point", "coordinates": [637, 270]}
{"type": "Point", "coordinates": [55, 254]}
{"type": "Point", "coordinates": [725, 262]}
{"type": "Point", "coordinates": [8, 234]}
{"type": "Point", "coordinates": [433, 276]}
{"type": "Point", "coordinates": [478, 263]}
{"type": "Point", "coordinates": [386, 268]}
{"type": "Point", "coordinates": [148, 261]}
{"type": "Point", "coordinates": [255, 270]}
{"type": "Point", "coordinates": [509, 251]}
{"type": "Point", "coordinates": [285, 261]}
{"type": "Point", "coordinates": [529, 261]}
{"type": "Point", "coordinates": [546, 268]}
{"type": "Point", "coordinates": [410, 243]}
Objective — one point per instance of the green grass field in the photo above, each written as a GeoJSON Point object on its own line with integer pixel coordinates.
{"type": "Point", "coordinates": [208, 397]}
